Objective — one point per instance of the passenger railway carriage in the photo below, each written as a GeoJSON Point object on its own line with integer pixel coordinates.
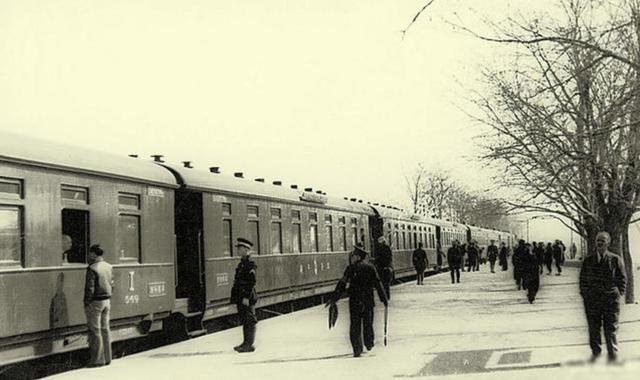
{"type": "Point", "coordinates": [169, 231]}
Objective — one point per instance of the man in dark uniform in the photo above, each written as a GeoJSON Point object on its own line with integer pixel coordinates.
{"type": "Point", "coordinates": [492, 255]}
{"type": "Point", "coordinates": [362, 278]}
{"type": "Point", "coordinates": [454, 259]}
{"type": "Point", "coordinates": [384, 264]}
{"type": "Point", "coordinates": [602, 282]}
{"type": "Point", "coordinates": [243, 294]}
{"type": "Point", "coordinates": [420, 263]}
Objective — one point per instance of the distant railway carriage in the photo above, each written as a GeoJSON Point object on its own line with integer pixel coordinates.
{"type": "Point", "coordinates": [169, 232]}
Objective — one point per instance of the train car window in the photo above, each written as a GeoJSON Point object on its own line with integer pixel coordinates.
{"type": "Point", "coordinates": [342, 237]}
{"type": "Point", "coordinates": [409, 240]}
{"type": "Point", "coordinates": [313, 217]}
{"type": "Point", "coordinates": [362, 236]}
{"type": "Point", "coordinates": [329, 232]}
{"type": "Point", "coordinates": [297, 238]}
{"type": "Point", "coordinates": [276, 213]}
{"type": "Point", "coordinates": [74, 193]}
{"type": "Point", "coordinates": [128, 238]}
{"type": "Point", "coordinates": [11, 233]}
{"type": "Point", "coordinates": [342, 220]}
{"type": "Point", "coordinates": [354, 221]}
{"type": "Point", "coordinates": [415, 240]}
{"type": "Point", "coordinates": [227, 237]}
{"type": "Point", "coordinates": [327, 219]}
{"type": "Point", "coordinates": [397, 240]}
{"type": "Point", "coordinates": [128, 201]}
{"type": "Point", "coordinates": [11, 188]}
{"type": "Point", "coordinates": [75, 224]}
{"type": "Point", "coordinates": [404, 240]}
{"type": "Point", "coordinates": [295, 214]}
{"type": "Point", "coordinates": [252, 211]}
{"type": "Point", "coordinates": [254, 235]}
{"type": "Point", "coordinates": [226, 209]}
{"type": "Point", "coordinates": [313, 237]}
{"type": "Point", "coordinates": [276, 237]}
{"type": "Point", "coordinates": [354, 236]}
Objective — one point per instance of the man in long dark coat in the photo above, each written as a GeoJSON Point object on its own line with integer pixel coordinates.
{"type": "Point", "coordinates": [420, 263]}
{"type": "Point", "coordinates": [384, 264]}
{"type": "Point", "coordinates": [492, 255]}
{"type": "Point", "coordinates": [454, 259]}
{"type": "Point", "coordinates": [518, 255]}
{"type": "Point", "coordinates": [472, 255]}
{"type": "Point", "coordinates": [602, 283]}
{"type": "Point", "coordinates": [530, 274]}
{"type": "Point", "coordinates": [504, 253]}
{"type": "Point", "coordinates": [361, 278]}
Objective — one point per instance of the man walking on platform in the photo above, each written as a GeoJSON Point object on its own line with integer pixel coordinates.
{"type": "Point", "coordinates": [548, 258]}
{"type": "Point", "coordinates": [558, 256]}
{"type": "Point", "coordinates": [454, 259]}
{"type": "Point", "coordinates": [504, 254]}
{"type": "Point", "coordinates": [97, 307]}
{"type": "Point", "coordinates": [361, 278]}
{"type": "Point", "coordinates": [472, 254]}
{"type": "Point", "coordinates": [243, 294]}
{"type": "Point", "coordinates": [420, 263]}
{"type": "Point", "coordinates": [492, 255]}
{"type": "Point", "coordinates": [517, 260]}
{"type": "Point", "coordinates": [384, 264]}
{"type": "Point", "coordinates": [602, 283]}
{"type": "Point", "coordinates": [531, 274]}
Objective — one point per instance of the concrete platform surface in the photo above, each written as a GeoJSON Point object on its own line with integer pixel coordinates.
{"type": "Point", "coordinates": [482, 328]}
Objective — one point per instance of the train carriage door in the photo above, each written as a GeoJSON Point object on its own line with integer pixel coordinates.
{"type": "Point", "coordinates": [376, 229]}
{"type": "Point", "coordinates": [190, 247]}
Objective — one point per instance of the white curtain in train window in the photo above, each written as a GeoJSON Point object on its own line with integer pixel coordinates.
{"type": "Point", "coordinates": [128, 239]}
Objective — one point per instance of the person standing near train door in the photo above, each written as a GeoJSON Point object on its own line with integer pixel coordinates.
{"type": "Point", "coordinates": [361, 278]}
{"type": "Point", "coordinates": [98, 289]}
{"type": "Point", "coordinates": [504, 254]}
{"type": "Point", "coordinates": [454, 259]}
{"type": "Point", "coordinates": [243, 294]}
{"type": "Point", "coordinates": [384, 264]}
{"type": "Point", "coordinates": [420, 263]}
{"type": "Point", "coordinates": [492, 255]}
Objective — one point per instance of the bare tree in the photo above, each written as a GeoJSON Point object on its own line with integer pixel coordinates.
{"type": "Point", "coordinates": [564, 123]}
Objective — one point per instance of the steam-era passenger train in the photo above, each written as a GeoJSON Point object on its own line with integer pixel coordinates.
{"type": "Point", "coordinates": [169, 231]}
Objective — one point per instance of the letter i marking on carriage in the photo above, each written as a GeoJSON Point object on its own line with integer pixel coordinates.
{"type": "Point", "coordinates": [131, 288]}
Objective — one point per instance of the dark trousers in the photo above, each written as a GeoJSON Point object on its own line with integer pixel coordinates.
{"type": "Point", "coordinates": [492, 265]}
{"type": "Point", "coordinates": [455, 271]}
{"type": "Point", "coordinates": [602, 312]}
{"type": "Point", "coordinates": [361, 326]}
{"type": "Point", "coordinates": [386, 277]}
{"type": "Point", "coordinates": [558, 267]}
{"type": "Point", "coordinates": [548, 264]}
{"type": "Point", "coordinates": [533, 284]}
{"type": "Point", "coordinates": [420, 275]}
{"type": "Point", "coordinates": [249, 320]}
{"type": "Point", "coordinates": [472, 264]}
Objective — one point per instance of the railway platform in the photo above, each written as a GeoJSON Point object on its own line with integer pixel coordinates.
{"type": "Point", "coordinates": [482, 328]}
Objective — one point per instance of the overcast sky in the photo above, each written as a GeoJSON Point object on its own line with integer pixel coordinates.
{"type": "Point", "coordinates": [322, 93]}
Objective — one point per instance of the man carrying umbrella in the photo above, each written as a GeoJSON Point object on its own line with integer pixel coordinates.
{"type": "Point", "coordinates": [361, 278]}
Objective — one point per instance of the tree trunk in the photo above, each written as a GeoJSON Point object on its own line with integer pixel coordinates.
{"type": "Point", "coordinates": [629, 296]}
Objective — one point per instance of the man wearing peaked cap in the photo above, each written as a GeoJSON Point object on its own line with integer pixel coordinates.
{"type": "Point", "coordinates": [361, 278]}
{"type": "Point", "coordinates": [243, 294]}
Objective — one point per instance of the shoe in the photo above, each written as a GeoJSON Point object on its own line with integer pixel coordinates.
{"type": "Point", "coordinates": [369, 348]}
{"type": "Point", "coordinates": [612, 359]}
{"type": "Point", "coordinates": [94, 365]}
{"type": "Point", "coordinates": [594, 358]}
{"type": "Point", "coordinates": [242, 349]}
{"type": "Point", "coordinates": [238, 347]}
{"type": "Point", "coordinates": [357, 354]}
{"type": "Point", "coordinates": [558, 274]}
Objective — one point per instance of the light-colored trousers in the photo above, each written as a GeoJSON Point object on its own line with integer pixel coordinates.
{"type": "Point", "coordinates": [97, 313]}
